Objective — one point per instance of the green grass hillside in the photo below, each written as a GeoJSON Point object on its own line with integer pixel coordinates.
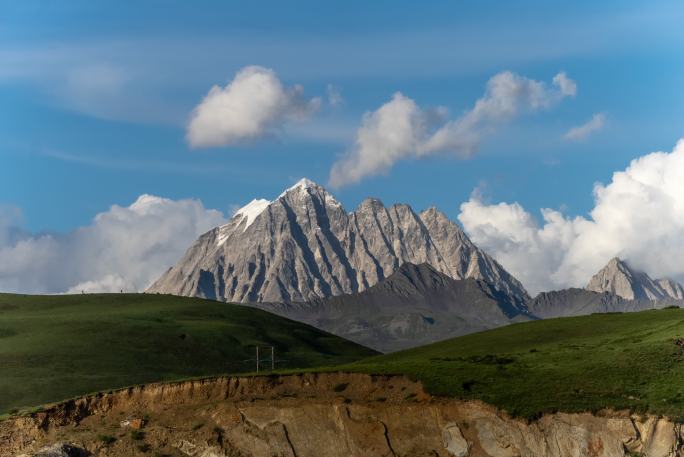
{"type": "Point", "coordinates": [55, 347]}
{"type": "Point", "coordinates": [622, 361]}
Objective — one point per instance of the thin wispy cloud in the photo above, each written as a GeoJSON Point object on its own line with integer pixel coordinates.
{"type": "Point", "coordinates": [334, 95]}
{"type": "Point", "coordinates": [129, 164]}
{"type": "Point", "coordinates": [581, 132]}
{"type": "Point", "coordinates": [187, 166]}
{"type": "Point", "coordinates": [135, 75]}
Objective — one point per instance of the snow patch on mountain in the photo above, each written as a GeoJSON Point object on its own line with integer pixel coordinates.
{"type": "Point", "coordinates": [251, 210]}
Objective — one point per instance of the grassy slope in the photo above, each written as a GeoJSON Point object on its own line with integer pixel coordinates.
{"type": "Point", "coordinates": [55, 347]}
{"type": "Point", "coordinates": [619, 361]}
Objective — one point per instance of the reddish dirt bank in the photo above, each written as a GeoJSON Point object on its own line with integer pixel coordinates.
{"type": "Point", "coordinates": [331, 414]}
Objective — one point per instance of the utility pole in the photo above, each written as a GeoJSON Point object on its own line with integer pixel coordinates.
{"type": "Point", "coordinates": [257, 358]}
{"type": "Point", "coordinates": [272, 358]}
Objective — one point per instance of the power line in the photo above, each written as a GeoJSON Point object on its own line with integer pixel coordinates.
{"type": "Point", "coordinates": [258, 360]}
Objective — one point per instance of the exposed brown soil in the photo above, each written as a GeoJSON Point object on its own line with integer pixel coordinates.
{"type": "Point", "coordinates": [329, 414]}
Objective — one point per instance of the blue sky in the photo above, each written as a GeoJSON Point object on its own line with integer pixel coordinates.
{"type": "Point", "coordinates": [95, 98]}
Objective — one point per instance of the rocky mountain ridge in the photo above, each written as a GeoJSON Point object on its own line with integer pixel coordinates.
{"type": "Point", "coordinates": [418, 305]}
{"type": "Point", "coordinates": [415, 305]}
{"type": "Point", "coordinates": [385, 277]}
{"type": "Point", "coordinates": [304, 245]}
{"type": "Point", "coordinates": [618, 278]}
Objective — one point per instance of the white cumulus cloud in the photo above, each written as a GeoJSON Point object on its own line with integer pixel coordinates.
{"type": "Point", "coordinates": [638, 216]}
{"type": "Point", "coordinates": [123, 248]}
{"type": "Point", "coordinates": [400, 129]}
{"type": "Point", "coordinates": [567, 86]}
{"type": "Point", "coordinates": [581, 132]}
{"type": "Point", "coordinates": [253, 105]}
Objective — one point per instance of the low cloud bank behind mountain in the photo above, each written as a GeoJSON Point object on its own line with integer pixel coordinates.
{"type": "Point", "coordinates": [123, 248]}
{"type": "Point", "coordinates": [638, 216]}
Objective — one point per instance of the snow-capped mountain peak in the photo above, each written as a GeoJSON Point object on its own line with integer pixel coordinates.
{"type": "Point", "coordinates": [302, 184]}
{"type": "Point", "coordinates": [254, 208]}
{"type": "Point", "coordinates": [251, 210]}
{"type": "Point", "coordinates": [304, 245]}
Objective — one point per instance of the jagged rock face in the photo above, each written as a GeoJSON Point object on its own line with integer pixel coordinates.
{"type": "Point", "coordinates": [619, 279]}
{"type": "Point", "coordinates": [578, 302]}
{"type": "Point", "coordinates": [304, 245]}
{"type": "Point", "coordinates": [671, 288]}
{"type": "Point", "coordinates": [575, 302]}
{"type": "Point", "coordinates": [415, 305]}
{"type": "Point", "coordinates": [310, 416]}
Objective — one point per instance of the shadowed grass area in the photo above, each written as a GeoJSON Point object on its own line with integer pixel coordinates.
{"type": "Point", "coordinates": [621, 361]}
{"type": "Point", "coordinates": [56, 347]}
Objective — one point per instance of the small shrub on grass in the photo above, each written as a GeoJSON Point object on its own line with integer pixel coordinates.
{"type": "Point", "coordinates": [137, 435]}
{"type": "Point", "coordinates": [106, 439]}
{"type": "Point", "coordinates": [197, 426]}
{"type": "Point", "coordinates": [490, 359]}
{"type": "Point", "coordinates": [467, 385]}
{"type": "Point", "coordinates": [144, 447]}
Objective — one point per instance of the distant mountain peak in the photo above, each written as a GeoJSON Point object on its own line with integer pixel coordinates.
{"type": "Point", "coordinates": [302, 184]}
{"type": "Point", "coordinates": [671, 288]}
{"type": "Point", "coordinates": [433, 212]}
{"type": "Point", "coordinates": [249, 213]}
{"type": "Point", "coordinates": [370, 202]}
{"type": "Point", "coordinates": [307, 189]}
{"type": "Point", "coordinates": [616, 261]}
{"type": "Point", "coordinates": [619, 278]}
{"type": "Point", "coordinates": [303, 245]}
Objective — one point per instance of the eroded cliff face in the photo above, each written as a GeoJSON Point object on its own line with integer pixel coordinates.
{"type": "Point", "coordinates": [321, 415]}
